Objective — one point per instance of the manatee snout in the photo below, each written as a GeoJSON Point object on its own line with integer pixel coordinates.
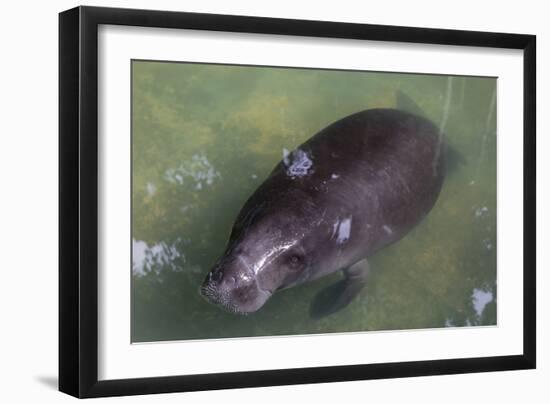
{"type": "Point", "coordinates": [232, 285]}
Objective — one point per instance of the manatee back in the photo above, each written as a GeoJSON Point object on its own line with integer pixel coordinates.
{"type": "Point", "coordinates": [383, 167]}
{"type": "Point", "coordinates": [380, 169]}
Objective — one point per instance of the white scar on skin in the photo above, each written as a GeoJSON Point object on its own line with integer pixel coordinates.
{"type": "Point", "coordinates": [298, 163]}
{"type": "Point", "coordinates": [342, 230]}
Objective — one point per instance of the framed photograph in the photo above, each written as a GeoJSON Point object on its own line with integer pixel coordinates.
{"type": "Point", "coordinates": [250, 201]}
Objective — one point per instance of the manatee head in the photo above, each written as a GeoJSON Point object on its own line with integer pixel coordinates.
{"type": "Point", "coordinates": [268, 250]}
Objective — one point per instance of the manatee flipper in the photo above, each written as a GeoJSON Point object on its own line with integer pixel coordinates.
{"type": "Point", "coordinates": [338, 295]}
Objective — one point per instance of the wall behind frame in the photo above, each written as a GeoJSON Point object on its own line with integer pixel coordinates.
{"type": "Point", "coordinates": [28, 169]}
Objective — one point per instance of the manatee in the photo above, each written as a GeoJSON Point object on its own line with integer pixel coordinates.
{"type": "Point", "coordinates": [355, 187]}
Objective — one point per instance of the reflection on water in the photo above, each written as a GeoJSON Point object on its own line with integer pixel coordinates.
{"type": "Point", "coordinates": [155, 258]}
{"type": "Point", "coordinates": [198, 170]}
{"type": "Point", "coordinates": [205, 137]}
{"type": "Point", "coordinates": [480, 299]}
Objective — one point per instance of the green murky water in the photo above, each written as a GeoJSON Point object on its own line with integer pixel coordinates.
{"type": "Point", "coordinates": [205, 136]}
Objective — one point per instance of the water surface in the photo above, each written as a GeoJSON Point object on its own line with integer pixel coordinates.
{"type": "Point", "coordinates": [204, 137]}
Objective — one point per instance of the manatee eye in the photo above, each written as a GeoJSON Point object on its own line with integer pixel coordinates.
{"type": "Point", "coordinates": [295, 260]}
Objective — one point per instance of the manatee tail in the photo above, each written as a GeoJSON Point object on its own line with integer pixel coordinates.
{"type": "Point", "coordinates": [406, 103]}
{"type": "Point", "coordinates": [455, 159]}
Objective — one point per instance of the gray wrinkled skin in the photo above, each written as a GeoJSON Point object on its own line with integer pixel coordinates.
{"type": "Point", "coordinates": [355, 187]}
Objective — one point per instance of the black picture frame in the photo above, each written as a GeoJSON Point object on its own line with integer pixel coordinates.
{"type": "Point", "coordinates": [78, 200]}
